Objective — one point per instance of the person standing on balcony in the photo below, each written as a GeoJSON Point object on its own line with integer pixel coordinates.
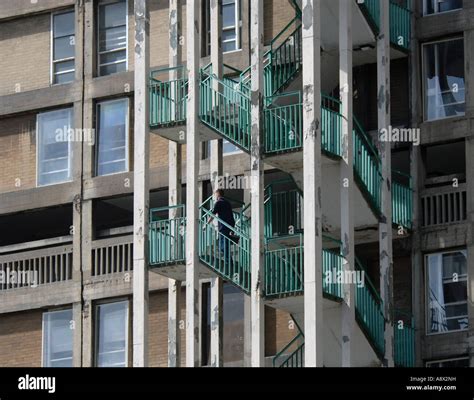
{"type": "Point", "coordinates": [223, 209]}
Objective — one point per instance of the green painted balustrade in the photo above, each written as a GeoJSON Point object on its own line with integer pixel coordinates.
{"type": "Point", "coordinates": [369, 311]}
{"type": "Point", "coordinates": [292, 355]}
{"type": "Point", "coordinates": [400, 20]}
{"type": "Point", "coordinates": [234, 266]}
{"type": "Point", "coordinates": [168, 98]}
{"type": "Point", "coordinates": [402, 199]}
{"type": "Point", "coordinates": [404, 339]}
{"type": "Point", "coordinates": [167, 237]}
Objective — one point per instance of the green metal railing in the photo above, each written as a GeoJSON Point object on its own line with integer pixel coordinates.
{"type": "Point", "coordinates": [402, 200]}
{"type": "Point", "coordinates": [404, 328]}
{"type": "Point", "coordinates": [293, 360]}
{"type": "Point", "coordinates": [400, 20]}
{"type": "Point", "coordinates": [226, 110]}
{"type": "Point", "coordinates": [367, 166]}
{"type": "Point", "coordinates": [369, 311]}
{"type": "Point", "coordinates": [168, 98]}
{"type": "Point", "coordinates": [227, 255]}
{"type": "Point", "coordinates": [167, 237]}
{"type": "Point", "coordinates": [284, 272]}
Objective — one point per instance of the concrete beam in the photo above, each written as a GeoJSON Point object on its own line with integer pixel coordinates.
{"type": "Point", "coordinates": [347, 179]}
{"type": "Point", "coordinates": [257, 179]}
{"type": "Point", "coordinates": [192, 173]}
{"type": "Point", "coordinates": [313, 285]}
{"type": "Point", "coordinates": [385, 225]}
{"type": "Point", "coordinates": [141, 194]}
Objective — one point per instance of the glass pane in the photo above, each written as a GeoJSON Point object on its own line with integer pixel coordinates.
{"type": "Point", "coordinates": [57, 339]}
{"type": "Point", "coordinates": [228, 15]}
{"type": "Point", "coordinates": [64, 47]}
{"type": "Point", "coordinates": [112, 69]}
{"type": "Point", "coordinates": [460, 363]}
{"type": "Point", "coordinates": [112, 130]}
{"type": "Point", "coordinates": [229, 46]}
{"type": "Point", "coordinates": [454, 265]}
{"type": "Point", "coordinates": [64, 78]}
{"type": "Point", "coordinates": [444, 79]}
{"type": "Point", "coordinates": [53, 146]}
{"type": "Point", "coordinates": [233, 341]}
{"type": "Point", "coordinates": [448, 5]}
{"type": "Point", "coordinates": [64, 24]}
{"type": "Point", "coordinates": [111, 15]}
{"type": "Point", "coordinates": [112, 328]}
{"type": "Point", "coordinates": [63, 66]}
{"type": "Point", "coordinates": [116, 56]}
{"type": "Point", "coordinates": [113, 38]}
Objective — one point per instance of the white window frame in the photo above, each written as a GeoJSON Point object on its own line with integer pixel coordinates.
{"type": "Point", "coordinates": [127, 135]}
{"type": "Point", "coordinates": [237, 27]}
{"type": "Point", "coordinates": [428, 363]}
{"type": "Point", "coordinates": [43, 333]}
{"type": "Point", "coordinates": [427, 294]}
{"type": "Point", "coordinates": [53, 61]}
{"type": "Point", "coordinates": [101, 3]}
{"type": "Point", "coordinates": [424, 88]}
{"type": "Point", "coordinates": [425, 9]}
{"type": "Point", "coordinates": [70, 153]}
{"type": "Point", "coordinates": [96, 329]}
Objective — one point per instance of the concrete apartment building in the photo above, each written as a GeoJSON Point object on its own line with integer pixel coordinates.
{"type": "Point", "coordinates": [119, 117]}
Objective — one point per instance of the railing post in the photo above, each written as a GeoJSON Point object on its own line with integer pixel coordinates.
{"type": "Point", "coordinates": [385, 225]}
{"type": "Point", "coordinates": [141, 193]}
{"type": "Point", "coordinates": [192, 172]}
{"type": "Point", "coordinates": [313, 285]}
{"type": "Point", "coordinates": [216, 169]}
{"type": "Point", "coordinates": [347, 179]}
{"type": "Point", "coordinates": [257, 182]}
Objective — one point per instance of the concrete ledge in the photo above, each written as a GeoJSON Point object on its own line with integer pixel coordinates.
{"type": "Point", "coordinates": [20, 8]}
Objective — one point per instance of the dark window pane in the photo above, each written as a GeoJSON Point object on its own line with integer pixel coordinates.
{"type": "Point", "coordinates": [64, 24]}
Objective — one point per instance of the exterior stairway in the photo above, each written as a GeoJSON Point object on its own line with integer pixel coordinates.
{"type": "Point", "coordinates": [225, 107]}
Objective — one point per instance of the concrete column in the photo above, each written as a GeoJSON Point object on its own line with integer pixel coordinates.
{"type": "Point", "coordinates": [347, 178]}
{"type": "Point", "coordinates": [141, 190]}
{"type": "Point", "coordinates": [77, 334]}
{"type": "Point", "coordinates": [216, 168]}
{"type": "Point", "coordinates": [247, 307]}
{"type": "Point", "coordinates": [192, 173]}
{"type": "Point", "coordinates": [87, 333]}
{"type": "Point", "coordinates": [385, 225]}
{"type": "Point", "coordinates": [313, 285]}
{"type": "Point", "coordinates": [174, 190]}
{"type": "Point", "coordinates": [257, 179]}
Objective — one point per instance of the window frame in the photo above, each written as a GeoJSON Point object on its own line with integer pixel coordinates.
{"type": "Point", "coordinates": [426, 281]}
{"type": "Point", "coordinates": [98, 52]}
{"type": "Point", "coordinates": [43, 331]}
{"type": "Point", "coordinates": [127, 135]}
{"type": "Point", "coordinates": [425, 8]}
{"type": "Point", "coordinates": [52, 74]}
{"type": "Point", "coordinates": [423, 76]}
{"type": "Point", "coordinates": [438, 361]}
{"type": "Point", "coordinates": [96, 330]}
{"type": "Point", "coordinates": [70, 149]}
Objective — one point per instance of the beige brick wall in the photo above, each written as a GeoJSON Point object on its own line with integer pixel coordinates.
{"type": "Point", "coordinates": [278, 13]}
{"type": "Point", "coordinates": [20, 339]}
{"type": "Point", "coordinates": [279, 330]}
{"type": "Point", "coordinates": [17, 153]}
{"type": "Point", "coordinates": [25, 46]}
{"type": "Point", "coordinates": [158, 329]}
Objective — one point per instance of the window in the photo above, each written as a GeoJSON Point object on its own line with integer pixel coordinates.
{"type": "Point", "coordinates": [112, 334]}
{"type": "Point", "coordinates": [447, 291]}
{"type": "Point", "coordinates": [63, 47]}
{"type": "Point", "coordinates": [57, 339]}
{"type": "Point", "coordinates": [231, 25]}
{"type": "Point", "coordinates": [444, 79]}
{"type": "Point", "coordinates": [439, 6]}
{"type": "Point", "coordinates": [112, 129]}
{"type": "Point", "coordinates": [112, 44]}
{"type": "Point", "coordinates": [462, 362]}
{"type": "Point", "coordinates": [54, 146]}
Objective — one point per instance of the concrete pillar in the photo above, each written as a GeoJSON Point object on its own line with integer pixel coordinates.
{"type": "Point", "coordinates": [77, 334]}
{"type": "Point", "coordinates": [385, 225]}
{"type": "Point", "coordinates": [347, 178]}
{"type": "Point", "coordinates": [192, 173]}
{"type": "Point", "coordinates": [216, 168]}
{"type": "Point", "coordinates": [141, 189]}
{"type": "Point", "coordinates": [257, 179]}
{"type": "Point", "coordinates": [313, 285]}
{"type": "Point", "coordinates": [174, 190]}
{"type": "Point", "coordinates": [247, 305]}
{"type": "Point", "coordinates": [87, 334]}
